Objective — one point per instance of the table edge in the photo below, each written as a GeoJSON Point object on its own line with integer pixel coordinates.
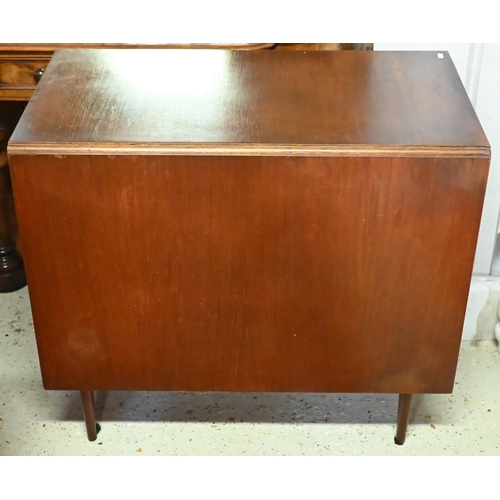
{"type": "Point", "coordinates": [235, 149]}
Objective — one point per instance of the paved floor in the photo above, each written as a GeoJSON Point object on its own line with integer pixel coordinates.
{"type": "Point", "coordinates": [38, 422]}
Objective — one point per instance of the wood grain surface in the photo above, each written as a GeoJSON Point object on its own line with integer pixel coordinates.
{"type": "Point", "coordinates": [251, 273]}
{"type": "Point", "coordinates": [219, 99]}
{"type": "Point", "coordinates": [332, 254]}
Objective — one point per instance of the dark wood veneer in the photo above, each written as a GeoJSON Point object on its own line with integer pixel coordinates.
{"type": "Point", "coordinates": [259, 221]}
{"type": "Point", "coordinates": [22, 66]}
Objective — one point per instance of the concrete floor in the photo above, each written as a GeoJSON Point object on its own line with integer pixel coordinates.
{"type": "Point", "coordinates": [38, 422]}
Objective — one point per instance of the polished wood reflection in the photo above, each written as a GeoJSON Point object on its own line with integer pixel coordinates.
{"type": "Point", "coordinates": [249, 221]}
{"type": "Point", "coordinates": [252, 97]}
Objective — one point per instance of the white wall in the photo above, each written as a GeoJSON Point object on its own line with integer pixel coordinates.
{"type": "Point", "coordinates": [488, 110]}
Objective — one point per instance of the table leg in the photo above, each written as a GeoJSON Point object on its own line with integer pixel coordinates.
{"type": "Point", "coordinates": [93, 428]}
{"type": "Point", "coordinates": [404, 405]}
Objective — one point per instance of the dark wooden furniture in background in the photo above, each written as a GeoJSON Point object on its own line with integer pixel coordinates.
{"type": "Point", "coordinates": [12, 276]}
{"type": "Point", "coordinates": [21, 67]}
{"type": "Point", "coordinates": [262, 221]}
{"type": "Point", "coordinates": [322, 46]}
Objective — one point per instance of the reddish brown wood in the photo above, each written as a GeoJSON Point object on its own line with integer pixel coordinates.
{"type": "Point", "coordinates": [36, 48]}
{"type": "Point", "coordinates": [404, 406]}
{"type": "Point", "coordinates": [334, 254]}
{"type": "Point", "coordinates": [250, 97]}
{"type": "Point", "coordinates": [89, 414]}
{"type": "Point", "coordinates": [249, 274]}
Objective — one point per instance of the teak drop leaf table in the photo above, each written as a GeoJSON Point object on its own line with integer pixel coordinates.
{"type": "Point", "coordinates": [249, 221]}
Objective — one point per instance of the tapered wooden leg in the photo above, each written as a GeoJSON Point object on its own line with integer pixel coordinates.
{"type": "Point", "coordinates": [404, 405]}
{"type": "Point", "coordinates": [88, 411]}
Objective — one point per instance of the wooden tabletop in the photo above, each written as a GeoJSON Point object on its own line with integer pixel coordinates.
{"type": "Point", "coordinates": [249, 102]}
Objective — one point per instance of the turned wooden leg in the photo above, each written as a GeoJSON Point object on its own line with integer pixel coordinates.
{"type": "Point", "coordinates": [93, 428]}
{"type": "Point", "coordinates": [12, 276]}
{"type": "Point", "coordinates": [404, 405]}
